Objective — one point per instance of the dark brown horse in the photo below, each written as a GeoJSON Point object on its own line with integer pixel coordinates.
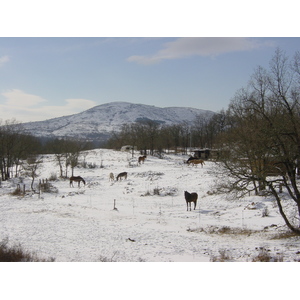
{"type": "Point", "coordinates": [123, 174]}
{"type": "Point", "coordinates": [76, 179]}
{"type": "Point", "coordinates": [189, 198]}
{"type": "Point", "coordinates": [142, 159]}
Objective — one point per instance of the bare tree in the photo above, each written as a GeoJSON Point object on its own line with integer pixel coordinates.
{"type": "Point", "coordinates": [15, 146]}
{"type": "Point", "coordinates": [263, 135]}
{"type": "Point", "coordinates": [31, 168]}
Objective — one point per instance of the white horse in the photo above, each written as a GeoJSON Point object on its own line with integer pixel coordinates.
{"type": "Point", "coordinates": [111, 177]}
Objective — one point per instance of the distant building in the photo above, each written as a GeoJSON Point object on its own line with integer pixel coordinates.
{"type": "Point", "coordinates": [206, 153]}
{"type": "Point", "coordinates": [128, 148]}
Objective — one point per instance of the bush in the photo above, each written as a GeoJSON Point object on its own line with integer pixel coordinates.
{"type": "Point", "coordinates": [156, 191]}
{"type": "Point", "coordinates": [265, 212]}
{"type": "Point", "coordinates": [47, 187]}
{"type": "Point", "coordinates": [18, 191]}
{"type": "Point", "coordinates": [53, 177]}
{"type": "Point", "coordinates": [17, 254]}
{"type": "Point", "coordinates": [223, 256]}
{"type": "Point", "coordinates": [265, 256]}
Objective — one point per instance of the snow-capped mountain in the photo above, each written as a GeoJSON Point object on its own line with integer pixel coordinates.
{"type": "Point", "coordinates": [99, 121]}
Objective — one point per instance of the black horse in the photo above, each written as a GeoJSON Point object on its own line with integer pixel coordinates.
{"type": "Point", "coordinates": [189, 198]}
{"type": "Point", "coordinates": [76, 179]}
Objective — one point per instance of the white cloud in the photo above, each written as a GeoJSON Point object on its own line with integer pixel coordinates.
{"type": "Point", "coordinates": [199, 46]}
{"type": "Point", "coordinates": [4, 59]}
{"type": "Point", "coordinates": [26, 107]}
{"type": "Point", "coordinates": [19, 99]}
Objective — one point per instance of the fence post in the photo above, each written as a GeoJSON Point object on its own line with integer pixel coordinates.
{"type": "Point", "coordinates": [115, 205]}
{"type": "Point", "coordinates": [40, 188]}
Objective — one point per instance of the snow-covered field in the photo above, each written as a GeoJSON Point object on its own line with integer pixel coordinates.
{"type": "Point", "coordinates": [150, 222]}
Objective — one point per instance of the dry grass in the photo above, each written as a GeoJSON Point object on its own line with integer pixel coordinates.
{"type": "Point", "coordinates": [284, 235]}
{"type": "Point", "coordinates": [224, 230]}
{"type": "Point", "coordinates": [264, 255]}
{"type": "Point", "coordinates": [223, 256]}
{"type": "Point", "coordinates": [17, 254]}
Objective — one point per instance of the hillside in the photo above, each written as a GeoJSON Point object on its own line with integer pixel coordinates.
{"type": "Point", "coordinates": [99, 121]}
{"type": "Point", "coordinates": [150, 221]}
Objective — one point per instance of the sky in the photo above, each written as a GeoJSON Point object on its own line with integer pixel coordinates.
{"type": "Point", "coordinates": [43, 77]}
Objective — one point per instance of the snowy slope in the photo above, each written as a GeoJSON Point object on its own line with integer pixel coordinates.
{"type": "Point", "coordinates": [150, 222]}
{"type": "Point", "coordinates": [103, 119]}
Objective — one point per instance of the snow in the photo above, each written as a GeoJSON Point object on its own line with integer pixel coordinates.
{"type": "Point", "coordinates": [150, 222]}
{"type": "Point", "coordinates": [105, 118]}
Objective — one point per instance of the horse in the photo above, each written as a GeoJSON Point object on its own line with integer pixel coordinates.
{"type": "Point", "coordinates": [123, 174]}
{"type": "Point", "coordinates": [111, 177]}
{"type": "Point", "coordinates": [196, 162]}
{"type": "Point", "coordinates": [190, 197]}
{"type": "Point", "coordinates": [142, 159]}
{"type": "Point", "coordinates": [190, 158]}
{"type": "Point", "coordinates": [76, 179]}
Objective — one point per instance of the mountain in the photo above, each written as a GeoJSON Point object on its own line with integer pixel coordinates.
{"type": "Point", "coordinates": [98, 122]}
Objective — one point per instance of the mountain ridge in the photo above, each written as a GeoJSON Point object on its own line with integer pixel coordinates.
{"type": "Point", "coordinates": [100, 121]}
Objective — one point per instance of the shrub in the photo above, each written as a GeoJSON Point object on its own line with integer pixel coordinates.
{"type": "Point", "coordinates": [53, 177]}
{"type": "Point", "coordinates": [223, 256]}
{"type": "Point", "coordinates": [156, 191]}
{"type": "Point", "coordinates": [93, 165]}
{"type": "Point", "coordinates": [47, 187]}
{"type": "Point", "coordinates": [265, 212]}
{"type": "Point", "coordinates": [18, 191]}
{"type": "Point", "coordinates": [265, 256]}
{"type": "Point", "coordinates": [17, 254]}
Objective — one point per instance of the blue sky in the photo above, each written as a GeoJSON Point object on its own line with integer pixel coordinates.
{"type": "Point", "coordinates": [59, 59]}
{"type": "Point", "coordinates": [42, 78]}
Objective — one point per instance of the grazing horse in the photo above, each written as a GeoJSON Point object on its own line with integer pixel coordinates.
{"type": "Point", "coordinates": [76, 179]}
{"type": "Point", "coordinates": [123, 174]}
{"type": "Point", "coordinates": [190, 158]}
{"type": "Point", "coordinates": [195, 162]}
{"type": "Point", "coordinates": [142, 159]}
{"type": "Point", "coordinates": [111, 177]}
{"type": "Point", "coordinates": [189, 198]}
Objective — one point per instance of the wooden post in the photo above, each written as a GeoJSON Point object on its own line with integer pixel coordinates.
{"type": "Point", "coordinates": [115, 205]}
{"type": "Point", "coordinates": [40, 188]}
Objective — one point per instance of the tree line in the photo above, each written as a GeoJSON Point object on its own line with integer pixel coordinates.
{"type": "Point", "coordinates": [19, 149]}
{"type": "Point", "coordinates": [152, 136]}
